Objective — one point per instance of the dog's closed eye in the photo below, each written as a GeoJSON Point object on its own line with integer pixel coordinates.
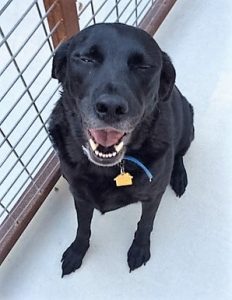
{"type": "Point", "coordinates": [94, 54]}
{"type": "Point", "coordinates": [86, 59]}
{"type": "Point", "coordinates": [138, 62]}
{"type": "Point", "coordinates": [90, 56]}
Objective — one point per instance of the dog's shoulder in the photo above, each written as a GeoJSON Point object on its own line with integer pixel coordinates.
{"type": "Point", "coordinates": [60, 133]}
{"type": "Point", "coordinates": [57, 126]}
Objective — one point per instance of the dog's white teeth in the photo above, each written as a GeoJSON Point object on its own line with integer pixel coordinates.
{"type": "Point", "coordinates": [119, 147]}
{"type": "Point", "coordinates": [93, 144]}
{"type": "Point", "coordinates": [102, 155]}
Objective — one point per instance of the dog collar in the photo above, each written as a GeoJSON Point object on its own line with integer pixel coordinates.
{"type": "Point", "coordinates": [140, 164]}
{"type": "Point", "coordinates": [125, 178]}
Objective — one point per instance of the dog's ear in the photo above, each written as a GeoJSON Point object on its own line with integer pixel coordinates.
{"type": "Point", "coordinates": [59, 61]}
{"type": "Point", "coordinates": [167, 78]}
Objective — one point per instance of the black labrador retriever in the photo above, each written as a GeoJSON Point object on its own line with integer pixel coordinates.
{"type": "Point", "coordinates": [121, 129]}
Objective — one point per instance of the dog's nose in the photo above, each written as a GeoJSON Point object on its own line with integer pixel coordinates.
{"type": "Point", "coordinates": [111, 107]}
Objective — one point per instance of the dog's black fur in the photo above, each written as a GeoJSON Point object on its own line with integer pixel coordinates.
{"type": "Point", "coordinates": [124, 68]}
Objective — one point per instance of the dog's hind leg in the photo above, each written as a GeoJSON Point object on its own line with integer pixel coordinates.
{"type": "Point", "coordinates": [179, 178]}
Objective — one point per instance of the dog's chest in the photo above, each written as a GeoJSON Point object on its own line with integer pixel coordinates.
{"type": "Point", "coordinates": [112, 197]}
{"type": "Point", "coordinates": [105, 195]}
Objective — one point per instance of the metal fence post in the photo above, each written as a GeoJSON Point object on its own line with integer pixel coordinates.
{"type": "Point", "coordinates": [66, 11]}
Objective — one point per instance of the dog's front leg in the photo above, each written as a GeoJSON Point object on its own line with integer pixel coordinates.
{"type": "Point", "coordinates": [73, 256]}
{"type": "Point", "coordinates": [139, 252]}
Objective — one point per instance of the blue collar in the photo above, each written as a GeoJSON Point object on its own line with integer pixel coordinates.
{"type": "Point", "coordinates": [140, 164]}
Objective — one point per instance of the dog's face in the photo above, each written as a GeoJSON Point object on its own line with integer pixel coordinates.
{"type": "Point", "coordinates": [114, 75]}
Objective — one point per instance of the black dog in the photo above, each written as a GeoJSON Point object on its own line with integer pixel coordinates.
{"type": "Point", "coordinates": [120, 115]}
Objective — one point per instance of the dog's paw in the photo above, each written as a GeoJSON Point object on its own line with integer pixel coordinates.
{"type": "Point", "coordinates": [138, 255]}
{"type": "Point", "coordinates": [179, 178]}
{"type": "Point", "coordinates": [72, 259]}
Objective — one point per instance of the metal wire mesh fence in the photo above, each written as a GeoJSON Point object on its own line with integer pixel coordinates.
{"type": "Point", "coordinates": [27, 96]}
{"type": "Point", "coordinates": [30, 33]}
{"type": "Point", "coordinates": [130, 12]}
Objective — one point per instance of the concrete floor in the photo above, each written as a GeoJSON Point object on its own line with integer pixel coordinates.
{"type": "Point", "coordinates": [192, 238]}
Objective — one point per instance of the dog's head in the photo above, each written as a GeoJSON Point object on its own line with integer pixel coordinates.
{"type": "Point", "coordinates": [113, 76]}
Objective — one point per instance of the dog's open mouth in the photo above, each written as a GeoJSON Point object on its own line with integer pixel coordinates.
{"type": "Point", "coordinates": [106, 146]}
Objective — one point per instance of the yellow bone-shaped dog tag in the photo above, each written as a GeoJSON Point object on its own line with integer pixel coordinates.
{"type": "Point", "coordinates": [123, 179]}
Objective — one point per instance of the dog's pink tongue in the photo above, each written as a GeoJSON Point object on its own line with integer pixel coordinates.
{"type": "Point", "coordinates": [106, 137]}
